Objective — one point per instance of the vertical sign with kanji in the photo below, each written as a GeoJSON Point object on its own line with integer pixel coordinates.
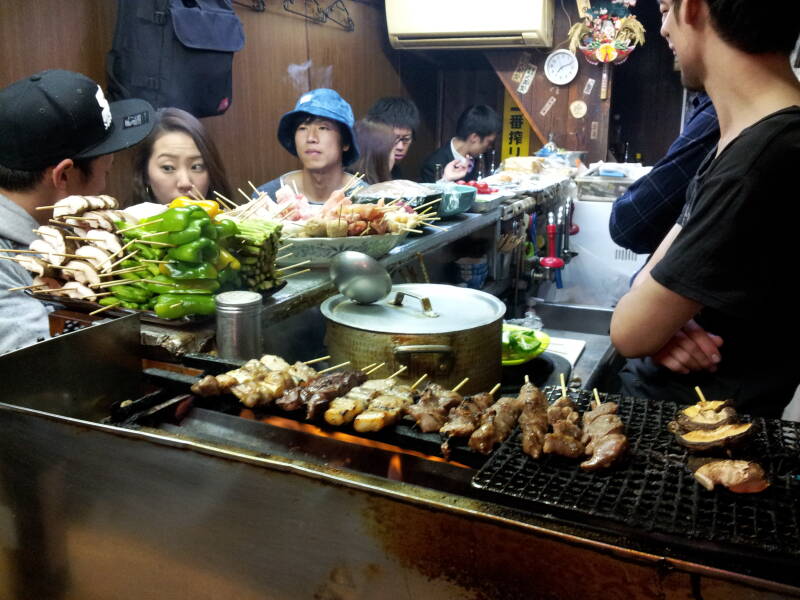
{"type": "Point", "coordinates": [516, 140]}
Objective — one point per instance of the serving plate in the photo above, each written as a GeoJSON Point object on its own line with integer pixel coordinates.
{"type": "Point", "coordinates": [320, 251]}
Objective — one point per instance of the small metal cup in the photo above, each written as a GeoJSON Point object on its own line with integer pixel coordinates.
{"type": "Point", "coordinates": [239, 325]}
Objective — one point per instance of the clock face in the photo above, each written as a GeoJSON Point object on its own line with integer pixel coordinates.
{"type": "Point", "coordinates": [561, 67]}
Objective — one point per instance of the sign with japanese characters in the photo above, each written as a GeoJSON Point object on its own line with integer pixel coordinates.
{"type": "Point", "coordinates": [516, 136]}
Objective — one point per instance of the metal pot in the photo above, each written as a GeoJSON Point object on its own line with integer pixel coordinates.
{"type": "Point", "coordinates": [445, 331]}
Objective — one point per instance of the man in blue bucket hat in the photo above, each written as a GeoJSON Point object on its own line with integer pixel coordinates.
{"type": "Point", "coordinates": [319, 131]}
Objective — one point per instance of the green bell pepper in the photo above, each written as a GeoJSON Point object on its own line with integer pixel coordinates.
{"type": "Point", "coordinates": [178, 270]}
{"type": "Point", "coordinates": [225, 229]}
{"type": "Point", "coordinates": [175, 306]}
{"type": "Point", "coordinates": [199, 251]}
{"type": "Point", "coordinates": [130, 293]}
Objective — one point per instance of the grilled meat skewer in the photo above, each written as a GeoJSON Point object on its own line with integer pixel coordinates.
{"type": "Point", "coordinates": [603, 435]}
{"type": "Point", "coordinates": [532, 420]}
{"type": "Point", "coordinates": [434, 405]}
{"type": "Point", "coordinates": [497, 423]}
{"type": "Point", "coordinates": [384, 409]}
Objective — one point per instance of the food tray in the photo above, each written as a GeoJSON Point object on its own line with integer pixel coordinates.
{"type": "Point", "coordinates": [321, 251]}
{"type": "Point", "coordinates": [147, 316]}
{"type": "Point", "coordinates": [652, 492]}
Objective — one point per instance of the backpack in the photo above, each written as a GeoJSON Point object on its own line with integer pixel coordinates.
{"type": "Point", "coordinates": [175, 53]}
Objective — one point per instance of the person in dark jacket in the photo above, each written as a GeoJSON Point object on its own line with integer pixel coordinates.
{"type": "Point", "coordinates": [476, 131]}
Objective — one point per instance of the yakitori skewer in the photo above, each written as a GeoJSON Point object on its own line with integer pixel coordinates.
{"type": "Point", "coordinates": [494, 389]}
{"type": "Point", "coordinates": [334, 367]}
{"type": "Point", "coordinates": [375, 368]}
{"type": "Point", "coordinates": [316, 360]}
{"type": "Point", "coordinates": [27, 287]}
{"type": "Point", "coordinates": [124, 229]}
{"type": "Point", "coordinates": [596, 397]}
{"type": "Point", "coordinates": [105, 308]}
{"type": "Point", "coordinates": [700, 393]}
{"type": "Point", "coordinates": [295, 273]}
{"type": "Point", "coordinates": [418, 381]}
{"type": "Point", "coordinates": [367, 368]}
{"type": "Point", "coordinates": [129, 281]}
{"type": "Point", "coordinates": [461, 384]}
{"type": "Point", "coordinates": [123, 259]}
{"type": "Point", "coordinates": [39, 252]}
{"type": "Point", "coordinates": [121, 271]}
{"type": "Point", "coordinates": [396, 373]}
{"type": "Point", "coordinates": [225, 200]}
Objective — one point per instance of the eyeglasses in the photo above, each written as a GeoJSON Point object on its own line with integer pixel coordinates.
{"type": "Point", "coordinates": [403, 139]}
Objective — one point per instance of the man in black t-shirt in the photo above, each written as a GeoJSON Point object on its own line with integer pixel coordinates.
{"type": "Point", "coordinates": [714, 305]}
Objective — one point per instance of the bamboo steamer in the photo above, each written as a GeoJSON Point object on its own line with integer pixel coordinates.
{"type": "Point", "coordinates": [445, 331]}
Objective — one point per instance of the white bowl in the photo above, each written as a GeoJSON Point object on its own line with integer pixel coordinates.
{"type": "Point", "coordinates": [321, 251]}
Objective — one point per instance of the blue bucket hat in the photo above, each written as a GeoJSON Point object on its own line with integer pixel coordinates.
{"type": "Point", "coordinates": [326, 104]}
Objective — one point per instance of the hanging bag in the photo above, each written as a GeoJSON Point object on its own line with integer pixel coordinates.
{"type": "Point", "coordinates": [175, 53]}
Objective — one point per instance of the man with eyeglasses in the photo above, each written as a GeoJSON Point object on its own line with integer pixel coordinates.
{"type": "Point", "coordinates": [402, 116]}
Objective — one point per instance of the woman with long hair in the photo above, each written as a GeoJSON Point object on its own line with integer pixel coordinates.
{"type": "Point", "coordinates": [376, 142]}
{"type": "Point", "coordinates": [177, 157]}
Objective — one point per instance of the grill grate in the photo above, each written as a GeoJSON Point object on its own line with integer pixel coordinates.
{"type": "Point", "coordinates": [654, 491]}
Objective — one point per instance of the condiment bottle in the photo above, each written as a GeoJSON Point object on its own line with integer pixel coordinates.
{"type": "Point", "coordinates": [239, 325]}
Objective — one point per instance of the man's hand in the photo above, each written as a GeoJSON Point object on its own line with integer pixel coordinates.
{"type": "Point", "coordinates": [456, 169]}
{"type": "Point", "coordinates": [692, 348]}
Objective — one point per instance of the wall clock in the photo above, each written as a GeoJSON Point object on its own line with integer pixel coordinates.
{"type": "Point", "coordinates": [561, 67]}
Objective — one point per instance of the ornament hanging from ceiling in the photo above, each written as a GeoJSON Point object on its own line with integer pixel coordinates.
{"type": "Point", "coordinates": [608, 32]}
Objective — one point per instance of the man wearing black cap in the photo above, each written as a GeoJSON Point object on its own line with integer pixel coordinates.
{"type": "Point", "coordinates": [57, 135]}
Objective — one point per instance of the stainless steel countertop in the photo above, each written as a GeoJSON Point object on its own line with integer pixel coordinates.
{"type": "Point", "coordinates": [596, 354]}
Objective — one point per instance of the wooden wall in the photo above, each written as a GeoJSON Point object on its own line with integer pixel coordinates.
{"type": "Point", "coordinates": [77, 34]}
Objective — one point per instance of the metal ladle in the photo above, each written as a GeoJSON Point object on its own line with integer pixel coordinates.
{"type": "Point", "coordinates": [360, 277]}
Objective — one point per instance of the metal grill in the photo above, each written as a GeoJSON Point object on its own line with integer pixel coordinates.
{"type": "Point", "coordinates": [654, 491]}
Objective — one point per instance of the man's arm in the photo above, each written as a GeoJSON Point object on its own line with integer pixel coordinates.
{"type": "Point", "coordinates": [643, 215]}
{"type": "Point", "coordinates": [649, 315]}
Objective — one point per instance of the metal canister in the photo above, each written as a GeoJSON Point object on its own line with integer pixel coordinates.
{"type": "Point", "coordinates": [239, 325]}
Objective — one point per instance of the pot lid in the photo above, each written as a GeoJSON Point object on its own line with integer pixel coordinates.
{"type": "Point", "coordinates": [450, 308]}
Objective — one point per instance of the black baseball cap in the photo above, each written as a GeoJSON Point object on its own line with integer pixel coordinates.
{"type": "Point", "coordinates": [59, 114]}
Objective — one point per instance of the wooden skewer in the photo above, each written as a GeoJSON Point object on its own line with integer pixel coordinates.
{"type": "Point", "coordinates": [144, 236]}
{"type": "Point", "coordinates": [255, 189]}
{"type": "Point", "coordinates": [195, 194]}
{"type": "Point", "coordinates": [139, 225]}
{"type": "Point", "coordinates": [40, 252]}
{"type": "Point", "coordinates": [367, 368]}
{"type": "Point", "coordinates": [596, 397]}
{"type": "Point", "coordinates": [248, 198]}
{"type": "Point", "coordinates": [412, 230]}
{"type": "Point", "coordinates": [129, 281]}
{"type": "Point", "coordinates": [700, 393]}
{"type": "Point", "coordinates": [14, 258]}
{"type": "Point", "coordinates": [347, 362]}
{"type": "Point", "coordinates": [295, 273]}
{"type": "Point", "coordinates": [155, 243]}
{"type": "Point", "coordinates": [563, 386]}
{"type": "Point", "coordinates": [527, 380]}
{"type": "Point", "coordinates": [460, 385]}
{"type": "Point", "coordinates": [316, 360]}
{"type": "Point", "coordinates": [225, 201]}
{"type": "Point", "coordinates": [121, 271]}
{"type": "Point", "coordinates": [375, 368]}
{"type": "Point", "coordinates": [123, 259]}
{"type": "Point", "coordinates": [494, 389]}
{"type": "Point", "coordinates": [77, 218]}
{"type": "Point", "coordinates": [284, 256]}
{"type": "Point", "coordinates": [396, 373]}
{"type": "Point", "coordinates": [27, 287]}
{"type": "Point", "coordinates": [428, 204]}
{"type": "Point", "coordinates": [102, 294]}
{"type": "Point", "coordinates": [296, 191]}
{"type": "Point", "coordinates": [300, 264]}
{"type": "Point", "coordinates": [83, 239]}
{"type": "Point", "coordinates": [150, 260]}
{"type": "Point", "coordinates": [418, 381]}
{"type": "Point", "coordinates": [109, 307]}
{"type": "Point", "coordinates": [118, 252]}
{"type": "Point", "coordinates": [46, 207]}
{"type": "Point", "coordinates": [54, 222]}
{"type": "Point", "coordinates": [434, 226]}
